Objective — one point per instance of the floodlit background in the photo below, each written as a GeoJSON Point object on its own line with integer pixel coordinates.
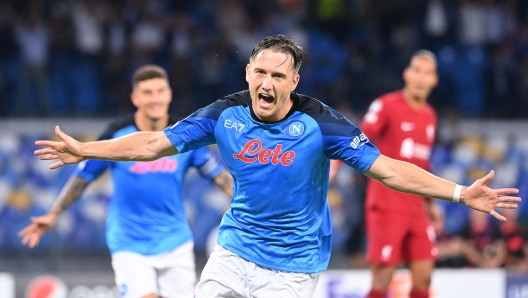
{"type": "Point", "coordinates": [69, 62]}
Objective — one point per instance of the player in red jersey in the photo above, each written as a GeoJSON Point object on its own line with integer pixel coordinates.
{"type": "Point", "coordinates": [402, 125]}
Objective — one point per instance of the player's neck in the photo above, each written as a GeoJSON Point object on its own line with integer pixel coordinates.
{"type": "Point", "coordinates": [145, 123]}
{"type": "Point", "coordinates": [414, 102]}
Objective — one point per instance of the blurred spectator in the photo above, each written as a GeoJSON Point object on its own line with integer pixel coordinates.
{"type": "Point", "coordinates": [7, 52]}
{"type": "Point", "coordinates": [483, 247]}
{"type": "Point", "coordinates": [450, 247]}
{"type": "Point", "coordinates": [355, 49]}
{"type": "Point", "coordinates": [514, 239]}
{"type": "Point", "coordinates": [501, 83]}
{"type": "Point", "coordinates": [33, 38]}
{"type": "Point", "coordinates": [88, 21]}
{"type": "Point", "coordinates": [472, 23]}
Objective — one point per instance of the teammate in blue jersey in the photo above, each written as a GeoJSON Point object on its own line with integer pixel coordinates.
{"type": "Point", "coordinates": [146, 228]}
{"type": "Point", "coordinates": [276, 237]}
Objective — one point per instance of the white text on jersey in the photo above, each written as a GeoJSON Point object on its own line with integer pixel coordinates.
{"type": "Point", "coordinates": [232, 124]}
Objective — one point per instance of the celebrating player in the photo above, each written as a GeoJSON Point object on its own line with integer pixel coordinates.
{"type": "Point", "coordinates": [147, 232]}
{"type": "Point", "coordinates": [276, 237]}
{"type": "Point", "coordinates": [402, 125]}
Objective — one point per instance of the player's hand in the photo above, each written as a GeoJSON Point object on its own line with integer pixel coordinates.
{"type": "Point", "coordinates": [68, 151]}
{"type": "Point", "coordinates": [39, 226]}
{"type": "Point", "coordinates": [480, 197]}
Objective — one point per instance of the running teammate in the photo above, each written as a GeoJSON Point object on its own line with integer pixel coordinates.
{"type": "Point", "coordinates": [146, 228]}
{"type": "Point", "coordinates": [402, 125]}
{"type": "Point", "coordinates": [276, 237]}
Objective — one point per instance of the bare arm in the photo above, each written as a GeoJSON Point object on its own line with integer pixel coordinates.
{"type": "Point", "coordinates": [405, 177]}
{"type": "Point", "coordinates": [71, 192]}
{"type": "Point", "coordinates": [224, 181]}
{"type": "Point", "coordinates": [140, 146]}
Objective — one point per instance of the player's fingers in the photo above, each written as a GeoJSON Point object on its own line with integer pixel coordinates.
{"type": "Point", "coordinates": [45, 151]}
{"type": "Point", "coordinates": [506, 206]}
{"type": "Point", "coordinates": [56, 165]}
{"type": "Point", "coordinates": [507, 191]}
{"type": "Point", "coordinates": [25, 231]}
{"type": "Point", "coordinates": [497, 216]}
{"type": "Point", "coordinates": [509, 199]}
{"type": "Point", "coordinates": [34, 241]}
{"type": "Point", "coordinates": [25, 239]}
{"type": "Point", "coordinates": [59, 133]}
{"type": "Point", "coordinates": [46, 143]}
{"type": "Point", "coordinates": [488, 177]}
{"type": "Point", "coordinates": [49, 157]}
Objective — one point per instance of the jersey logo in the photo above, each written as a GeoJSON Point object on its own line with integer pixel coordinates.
{"type": "Point", "coordinates": [359, 141]}
{"type": "Point", "coordinates": [407, 126]}
{"type": "Point", "coordinates": [234, 125]}
{"type": "Point", "coordinates": [163, 164]}
{"type": "Point", "coordinates": [386, 252]}
{"type": "Point", "coordinates": [411, 149]}
{"type": "Point", "coordinates": [122, 290]}
{"type": "Point", "coordinates": [252, 151]}
{"type": "Point", "coordinates": [296, 129]}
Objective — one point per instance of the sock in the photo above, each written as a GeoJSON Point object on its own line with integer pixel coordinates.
{"type": "Point", "coordinates": [376, 294]}
{"type": "Point", "coordinates": [419, 293]}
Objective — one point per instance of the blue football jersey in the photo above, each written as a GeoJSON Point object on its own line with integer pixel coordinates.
{"type": "Point", "coordinates": [279, 216]}
{"type": "Point", "coordinates": [146, 213]}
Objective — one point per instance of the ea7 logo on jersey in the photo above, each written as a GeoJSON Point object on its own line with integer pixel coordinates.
{"type": "Point", "coordinates": [233, 125]}
{"type": "Point", "coordinates": [252, 151]}
{"type": "Point", "coordinates": [359, 141]}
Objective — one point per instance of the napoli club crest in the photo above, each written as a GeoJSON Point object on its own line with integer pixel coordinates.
{"type": "Point", "coordinates": [296, 129]}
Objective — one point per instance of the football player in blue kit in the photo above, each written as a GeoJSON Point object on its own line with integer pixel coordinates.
{"type": "Point", "coordinates": [146, 227]}
{"type": "Point", "coordinates": [277, 144]}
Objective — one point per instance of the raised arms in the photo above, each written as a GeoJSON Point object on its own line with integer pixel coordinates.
{"type": "Point", "coordinates": [405, 177]}
{"type": "Point", "coordinates": [71, 192]}
{"type": "Point", "coordinates": [140, 146]}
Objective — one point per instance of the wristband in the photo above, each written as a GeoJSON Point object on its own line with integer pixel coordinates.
{"type": "Point", "coordinates": [456, 195]}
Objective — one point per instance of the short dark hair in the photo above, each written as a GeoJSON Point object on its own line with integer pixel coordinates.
{"type": "Point", "coordinates": [148, 72]}
{"type": "Point", "coordinates": [283, 44]}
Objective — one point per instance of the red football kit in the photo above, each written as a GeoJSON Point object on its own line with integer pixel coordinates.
{"type": "Point", "coordinates": [397, 224]}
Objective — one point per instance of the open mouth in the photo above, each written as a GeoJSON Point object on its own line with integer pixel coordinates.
{"type": "Point", "coordinates": [265, 100]}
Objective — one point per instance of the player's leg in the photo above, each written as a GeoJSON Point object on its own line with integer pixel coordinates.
{"type": "Point", "coordinates": [421, 278]}
{"type": "Point", "coordinates": [421, 253]}
{"type": "Point", "coordinates": [176, 272]}
{"type": "Point", "coordinates": [264, 283]}
{"type": "Point", "coordinates": [384, 242]}
{"type": "Point", "coordinates": [224, 276]}
{"type": "Point", "coordinates": [134, 276]}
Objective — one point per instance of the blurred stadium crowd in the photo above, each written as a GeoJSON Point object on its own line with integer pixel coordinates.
{"type": "Point", "coordinates": [75, 58]}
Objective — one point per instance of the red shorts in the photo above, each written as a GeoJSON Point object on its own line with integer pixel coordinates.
{"type": "Point", "coordinates": [393, 239]}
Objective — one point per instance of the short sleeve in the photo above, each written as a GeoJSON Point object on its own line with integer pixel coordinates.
{"type": "Point", "coordinates": [346, 142]}
{"type": "Point", "coordinates": [197, 130]}
{"type": "Point", "coordinates": [207, 165]}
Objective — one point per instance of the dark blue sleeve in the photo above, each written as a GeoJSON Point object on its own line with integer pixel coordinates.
{"type": "Point", "coordinates": [344, 141]}
{"type": "Point", "coordinates": [197, 130]}
{"type": "Point", "coordinates": [207, 165]}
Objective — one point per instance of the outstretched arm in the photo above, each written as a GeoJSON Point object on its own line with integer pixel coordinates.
{"type": "Point", "coordinates": [224, 181]}
{"type": "Point", "coordinates": [405, 177]}
{"type": "Point", "coordinates": [140, 146]}
{"type": "Point", "coordinates": [71, 192]}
